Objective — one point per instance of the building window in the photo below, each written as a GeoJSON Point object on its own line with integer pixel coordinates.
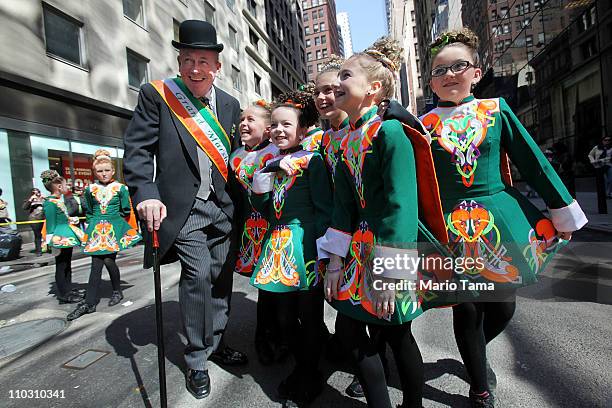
{"type": "Point", "coordinates": [319, 66]}
{"type": "Point", "coordinates": [315, 3]}
{"type": "Point", "coordinates": [236, 78]}
{"type": "Point", "coordinates": [314, 15]}
{"type": "Point", "coordinates": [317, 41]}
{"type": "Point", "coordinates": [305, 17]}
{"type": "Point", "coordinates": [307, 30]}
{"type": "Point", "coordinates": [320, 13]}
{"type": "Point", "coordinates": [209, 13]}
{"type": "Point", "coordinates": [252, 6]}
{"type": "Point", "coordinates": [134, 10]}
{"type": "Point", "coordinates": [529, 40]}
{"type": "Point", "coordinates": [318, 54]}
{"type": "Point", "coordinates": [137, 69]}
{"type": "Point", "coordinates": [304, 4]}
{"type": "Point", "coordinates": [323, 39]}
{"type": "Point", "coordinates": [308, 43]}
{"type": "Point", "coordinates": [257, 80]}
{"type": "Point", "coordinates": [310, 69]}
{"type": "Point", "coordinates": [233, 37]}
{"type": "Point", "coordinates": [309, 56]}
{"type": "Point", "coordinates": [325, 53]}
{"type": "Point", "coordinates": [63, 36]}
{"type": "Point", "coordinates": [175, 27]}
{"type": "Point", "coordinates": [503, 12]}
{"type": "Point", "coordinates": [253, 39]}
{"type": "Point", "coordinates": [321, 26]}
{"type": "Point", "coordinates": [315, 28]}
{"type": "Point", "coordinates": [231, 4]}
{"type": "Point", "coordinates": [506, 28]}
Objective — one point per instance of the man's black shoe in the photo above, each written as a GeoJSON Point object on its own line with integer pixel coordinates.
{"type": "Point", "coordinates": [198, 383]}
{"type": "Point", "coordinates": [229, 357]}
{"type": "Point", "coordinates": [354, 389]}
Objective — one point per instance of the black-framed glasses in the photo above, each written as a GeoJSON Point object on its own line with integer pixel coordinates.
{"type": "Point", "coordinates": [456, 68]}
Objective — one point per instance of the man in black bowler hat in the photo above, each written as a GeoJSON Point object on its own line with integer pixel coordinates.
{"type": "Point", "coordinates": [185, 126]}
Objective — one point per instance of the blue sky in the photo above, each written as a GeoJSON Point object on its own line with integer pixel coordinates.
{"type": "Point", "coordinates": [367, 20]}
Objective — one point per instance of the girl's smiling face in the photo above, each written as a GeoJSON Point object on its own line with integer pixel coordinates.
{"type": "Point", "coordinates": [454, 86]}
{"type": "Point", "coordinates": [254, 126]}
{"type": "Point", "coordinates": [285, 129]}
{"type": "Point", "coordinates": [324, 96]}
{"type": "Point", "coordinates": [352, 88]}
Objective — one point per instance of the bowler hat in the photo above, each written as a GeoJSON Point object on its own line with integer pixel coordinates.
{"type": "Point", "coordinates": [197, 34]}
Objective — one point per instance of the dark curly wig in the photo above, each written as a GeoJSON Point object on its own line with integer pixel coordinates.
{"type": "Point", "coordinates": [301, 100]}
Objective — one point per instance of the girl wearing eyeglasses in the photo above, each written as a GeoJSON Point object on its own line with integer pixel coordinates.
{"type": "Point", "coordinates": [486, 217]}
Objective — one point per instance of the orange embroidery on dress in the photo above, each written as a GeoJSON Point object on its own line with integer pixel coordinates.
{"type": "Point", "coordinates": [278, 263]}
{"type": "Point", "coordinates": [102, 238]}
{"type": "Point", "coordinates": [104, 194]}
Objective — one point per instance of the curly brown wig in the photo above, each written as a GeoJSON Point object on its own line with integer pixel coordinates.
{"type": "Point", "coordinates": [51, 178]}
{"type": "Point", "coordinates": [301, 100]}
{"type": "Point", "coordinates": [463, 37]}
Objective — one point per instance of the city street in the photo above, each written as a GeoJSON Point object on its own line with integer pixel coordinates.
{"type": "Point", "coordinates": [555, 353]}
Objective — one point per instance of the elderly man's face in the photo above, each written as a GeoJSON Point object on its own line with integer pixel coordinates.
{"type": "Point", "coordinates": [198, 69]}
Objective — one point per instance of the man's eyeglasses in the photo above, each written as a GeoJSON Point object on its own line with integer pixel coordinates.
{"type": "Point", "coordinates": [456, 68]}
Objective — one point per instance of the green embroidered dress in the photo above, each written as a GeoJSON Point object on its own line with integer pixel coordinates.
{"type": "Point", "coordinates": [244, 163]}
{"type": "Point", "coordinates": [330, 146]}
{"type": "Point", "coordinates": [298, 208]}
{"type": "Point", "coordinates": [107, 230]}
{"type": "Point", "coordinates": [375, 215]}
{"type": "Point", "coordinates": [485, 217]}
{"type": "Point", "coordinates": [312, 140]}
{"type": "Point", "coordinates": [60, 232]}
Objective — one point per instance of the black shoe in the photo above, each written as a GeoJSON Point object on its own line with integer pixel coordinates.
{"type": "Point", "coordinates": [265, 352]}
{"type": "Point", "coordinates": [198, 383]}
{"type": "Point", "coordinates": [354, 389]}
{"type": "Point", "coordinates": [82, 308]}
{"type": "Point", "coordinates": [482, 401]}
{"type": "Point", "coordinates": [229, 357]}
{"type": "Point", "coordinates": [116, 297]}
{"type": "Point", "coordinates": [69, 298]}
{"type": "Point", "coordinates": [289, 403]}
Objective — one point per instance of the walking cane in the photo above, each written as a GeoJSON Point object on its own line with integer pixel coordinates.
{"type": "Point", "coordinates": [161, 355]}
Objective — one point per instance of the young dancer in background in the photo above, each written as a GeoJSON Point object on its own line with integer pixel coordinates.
{"type": "Point", "coordinates": [296, 200]}
{"type": "Point", "coordinates": [108, 203]}
{"type": "Point", "coordinates": [252, 156]}
{"type": "Point", "coordinates": [62, 234]}
{"type": "Point", "coordinates": [486, 217]}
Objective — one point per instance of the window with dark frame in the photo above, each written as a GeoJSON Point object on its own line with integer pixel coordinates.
{"type": "Point", "coordinates": [209, 13]}
{"type": "Point", "coordinates": [233, 37]}
{"type": "Point", "coordinates": [134, 10]}
{"type": "Point", "coordinates": [257, 81]}
{"type": "Point", "coordinates": [236, 78]}
{"type": "Point", "coordinates": [137, 69]}
{"type": "Point", "coordinates": [63, 35]}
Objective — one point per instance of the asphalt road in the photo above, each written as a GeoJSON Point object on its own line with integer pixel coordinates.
{"type": "Point", "coordinates": [556, 352]}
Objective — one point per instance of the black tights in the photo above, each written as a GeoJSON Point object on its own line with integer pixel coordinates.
{"type": "Point", "coordinates": [63, 271]}
{"type": "Point", "coordinates": [299, 317]}
{"type": "Point", "coordinates": [364, 351]}
{"type": "Point", "coordinates": [265, 316]}
{"type": "Point", "coordinates": [97, 263]}
{"type": "Point", "coordinates": [475, 325]}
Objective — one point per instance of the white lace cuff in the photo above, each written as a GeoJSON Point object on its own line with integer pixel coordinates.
{"type": "Point", "coordinates": [568, 219]}
{"type": "Point", "coordinates": [262, 182]}
{"type": "Point", "coordinates": [333, 242]}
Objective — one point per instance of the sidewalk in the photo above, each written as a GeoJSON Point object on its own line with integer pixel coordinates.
{"type": "Point", "coordinates": [588, 202]}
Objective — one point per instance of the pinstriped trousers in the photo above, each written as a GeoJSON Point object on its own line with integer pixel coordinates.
{"type": "Point", "coordinates": [205, 286]}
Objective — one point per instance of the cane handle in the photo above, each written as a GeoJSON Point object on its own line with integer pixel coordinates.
{"type": "Point", "coordinates": [155, 239]}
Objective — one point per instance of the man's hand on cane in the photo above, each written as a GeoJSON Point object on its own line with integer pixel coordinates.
{"type": "Point", "coordinates": [153, 212]}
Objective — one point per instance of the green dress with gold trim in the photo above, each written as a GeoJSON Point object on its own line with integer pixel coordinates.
{"type": "Point", "coordinates": [486, 218]}
{"type": "Point", "coordinates": [298, 208]}
{"type": "Point", "coordinates": [60, 232]}
{"type": "Point", "coordinates": [244, 162]}
{"type": "Point", "coordinates": [107, 230]}
{"type": "Point", "coordinates": [375, 214]}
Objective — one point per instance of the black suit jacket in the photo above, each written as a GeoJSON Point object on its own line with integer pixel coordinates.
{"type": "Point", "coordinates": [156, 135]}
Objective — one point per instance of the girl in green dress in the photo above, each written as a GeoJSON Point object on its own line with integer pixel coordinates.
{"type": "Point", "coordinates": [256, 151]}
{"type": "Point", "coordinates": [62, 234]}
{"type": "Point", "coordinates": [294, 194]}
{"type": "Point", "coordinates": [108, 203]}
{"type": "Point", "coordinates": [486, 218]}
{"type": "Point", "coordinates": [375, 216]}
